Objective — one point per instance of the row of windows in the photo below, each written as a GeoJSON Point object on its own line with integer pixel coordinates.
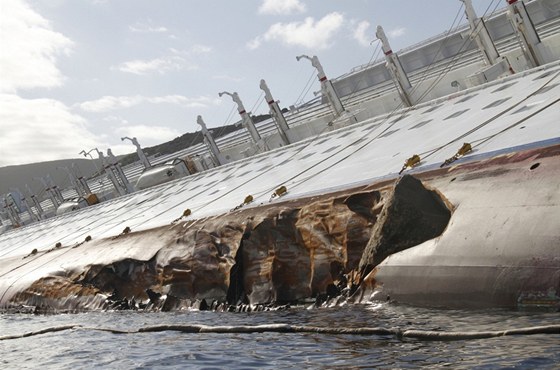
{"type": "Point", "coordinates": [371, 127]}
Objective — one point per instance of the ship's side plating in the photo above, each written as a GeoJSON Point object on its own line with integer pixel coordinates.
{"type": "Point", "coordinates": [501, 247]}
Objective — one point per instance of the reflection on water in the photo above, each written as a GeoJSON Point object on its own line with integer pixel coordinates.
{"type": "Point", "coordinates": [88, 349]}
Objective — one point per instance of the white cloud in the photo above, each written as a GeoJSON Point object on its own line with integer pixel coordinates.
{"type": "Point", "coordinates": [397, 32]}
{"type": "Point", "coordinates": [227, 78]}
{"type": "Point", "coordinates": [147, 134]}
{"type": "Point", "coordinates": [34, 130]}
{"type": "Point", "coordinates": [108, 103]}
{"type": "Point", "coordinates": [40, 130]}
{"type": "Point", "coordinates": [179, 60]}
{"type": "Point", "coordinates": [146, 28]}
{"type": "Point", "coordinates": [200, 49]}
{"type": "Point", "coordinates": [361, 33]}
{"type": "Point", "coordinates": [254, 43]}
{"type": "Point", "coordinates": [29, 48]}
{"type": "Point", "coordinates": [309, 33]}
{"type": "Point", "coordinates": [116, 120]}
{"type": "Point", "coordinates": [195, 50]}
{"type": "Point", "coordinates": [160, 65]}
{"type": "Point", "coordinates": [283, 7]}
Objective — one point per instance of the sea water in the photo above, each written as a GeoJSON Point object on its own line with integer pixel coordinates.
{"type": "Point", "coordinates": [86, 348]}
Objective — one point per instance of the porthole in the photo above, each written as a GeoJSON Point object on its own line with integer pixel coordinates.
{"type": "Point", "coordinates": [503, 87]}
{"type": "Point", "coordinates": [468, 97]}
{"type": "Point", "coordinates": [432, 108]}
{"type": "Point", "coordinates": [545, 89]}
{"type": "Point", "coordinates": [389, 133]}
{"type": "Point", "coordinates": [456, 114]}
{"type": "Point", "coordinates": [418, 125]}
{"type": "Point", "coordinates": [307, 156]}
{"type": "Point", "coordinates": [329, 150]}
{"type": "Point", "coordinates": [497, 102]}
{"type": "Point", "coordinates": [399, 118]}
{"type": "Point", "coordinates": [544, 75]}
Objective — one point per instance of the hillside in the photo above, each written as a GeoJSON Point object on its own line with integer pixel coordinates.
{"type": "Point", "coordinates": [181, 142]}
{"type": "Point", "coordinates": [17, 176]}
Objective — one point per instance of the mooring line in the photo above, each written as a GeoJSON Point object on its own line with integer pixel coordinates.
{"type": "Point", "coordinates": [427, 335]}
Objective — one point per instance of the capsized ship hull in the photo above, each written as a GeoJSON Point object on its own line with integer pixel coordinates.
{"type": "Point", "coordinates": [499, 249]}
{"type": "Point", "coordinates": [228, 235]}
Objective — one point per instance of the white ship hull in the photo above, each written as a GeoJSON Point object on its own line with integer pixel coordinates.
{"type": "Point", "coordinates": [500, 248]}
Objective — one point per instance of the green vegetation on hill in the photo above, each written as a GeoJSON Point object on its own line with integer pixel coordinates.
{"type": "Point", "coordinates": [15, 177]}
{"type": "Point", "coordinates": [185, 141]}
{"type": "Point", "coordinates": [12, 177]}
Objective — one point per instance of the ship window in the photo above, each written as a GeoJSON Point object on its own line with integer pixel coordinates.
{"type": "Point", "coordinates": [344, 134]}
{"type": "Point", "coordinates": [264, 168]}
{"type": "Point", "coordinates": [546, 74]}
{"type": "Point", "coordinates": [322, 141]}
{"type": "Point", "coordinates": [211, 175]}
{"type": "Point", "coordinates": [330, 149]}
{"type": "Point", "coordinates": [363, 138]}
{"type": "Point", "coordinates": [243, 165]}
{"type": "Point", "coordinates": [369, 128]}
{"type": "Point", "coordinates": [545, 89]}
{"type": "Point", "coordinates": [400, 118]}
{"type": "Point", "coordinates": [144, 200]}
{"type": "Point", "coordinates": [285, 162]}
{"type": "Point", "coordinates": [432, 108]}
{"type": "Point", "coordinates": [389, 133]}
{"type": "Point", "coordinates": [307, 155]}
{"type": "Point", "coordinates": [182, 188]}
{"type": "Point", "coordinates": [523, 109]}
{"type": "Point", "coordinates": [214, 192]}
{"type": "Point", "coordinates": [196, 187]}
{"type": "Point", "coordinates": [503, 87]}
{"type": "Point", "coordinates": [227, 177]}
{"type": "Point", "coordinates": [418, 125]}
{"type": "Point", "coordinates": [456, 114]}
{"type": "Point", "coordinates": [528, 106]}
{"type": "Point", "coordinates": [468, 97]}
{"type": "Point", "coordinates": [497, 102]}
{"type": "Point", "coordinates": [244, 173]}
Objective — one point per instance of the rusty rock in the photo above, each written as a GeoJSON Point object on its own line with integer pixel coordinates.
{"type": "Point", "coordinates": [276, 263]}
{"type": "Point", "coordinates": [270, 255]}
{"type": "Point", "coordinates": [412, 215]}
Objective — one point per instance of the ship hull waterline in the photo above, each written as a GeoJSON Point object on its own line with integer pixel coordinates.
{"type": "Point", "coordinates": [501, 247]}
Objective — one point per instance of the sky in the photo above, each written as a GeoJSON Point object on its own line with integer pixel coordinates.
{"type": "Point", "coordinates": [80, 74]}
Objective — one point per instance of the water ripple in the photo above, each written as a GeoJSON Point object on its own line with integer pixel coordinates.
{"type": "Point", "coordinates": [173, 350]}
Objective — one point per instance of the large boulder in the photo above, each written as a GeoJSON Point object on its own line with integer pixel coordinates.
{"type": "Point", "coordinates": [412, 214]}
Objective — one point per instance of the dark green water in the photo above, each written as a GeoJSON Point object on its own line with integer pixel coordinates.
{"type": "Point", "coordinates": [82, 348]}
